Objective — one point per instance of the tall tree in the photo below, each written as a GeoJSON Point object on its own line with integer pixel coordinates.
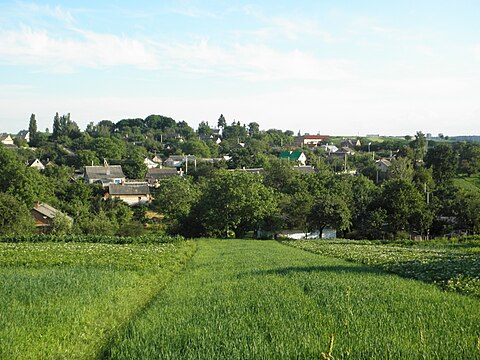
{"type": "Point", "coordinates": [32, 129]}
{"type": "Point", "coordinates": [443, 161]}
{"type": "Point", "coordinates": [221, 121]}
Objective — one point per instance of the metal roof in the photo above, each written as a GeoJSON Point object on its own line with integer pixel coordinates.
{"type": "Point", "coordinates": [128, 189]}
{"type": "Point", "coordinates": [104, 172]}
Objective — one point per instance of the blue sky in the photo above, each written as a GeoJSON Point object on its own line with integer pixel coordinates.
{"type": "Point", "coordinates": [329, 67]}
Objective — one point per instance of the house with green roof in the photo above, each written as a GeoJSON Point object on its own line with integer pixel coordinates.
{"type": "Point", "coordinates": [297, 156]}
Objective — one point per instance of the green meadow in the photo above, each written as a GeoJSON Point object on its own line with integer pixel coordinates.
{"type": "Point", "coordinates": [221, 299]}
{"type": "Point", "coordinates": [66, 300]}
{"type": "Point", "coordinates": [244, 299]}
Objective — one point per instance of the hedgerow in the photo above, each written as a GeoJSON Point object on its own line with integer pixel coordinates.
{"type": "Point", "coordinates": [103, 239]}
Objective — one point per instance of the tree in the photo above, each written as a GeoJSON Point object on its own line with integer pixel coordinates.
{"type": "Point", "coordinates": [467, 210]}
{"type": "Point", "coordinates": [15, 218]}
{"type": "Point", "coordinates": [253, 129]}
{"type": "Point", "coordinates": [234, 202]}
{"type": "Point", "coordinates": [419, 146]}
{"type": "Point", "coordinates": [329, 210]}
{"type": "Point", "coordinates": [221, 121]}
{"type": "Point", "coordinates": [174, 199]}
{"type": "Point", "coordinates": [401, 168]}
{"type": "Point", "coordinates": [443, 162]}
{"type": "Point", "coordinates": [134, 165]}
{"type": "Point", "coordinates": [405, 206]}
{"type": "Point", "coordinates": [32, 129]}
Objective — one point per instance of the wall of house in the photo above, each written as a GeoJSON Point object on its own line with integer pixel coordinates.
{"type": "Point", "coordinates": [134, 199]}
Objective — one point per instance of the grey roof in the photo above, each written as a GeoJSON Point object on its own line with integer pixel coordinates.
{"type": "Point", "coordinates": [252, 171]}
{"type": "Point", "coordinates": [157, 173]}
{"type": "Point", "coordinates": [3, 136]}
{"type": "Point", "coordinates": [304, 169]}
{"type": "Point", "coordinates": [48, 211]}
{"type": "Point", "coordinates": [104, 172]}
{"type": "Point", "coordinates": [128, 189]}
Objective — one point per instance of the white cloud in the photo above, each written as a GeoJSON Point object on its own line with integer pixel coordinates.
{"type": "Point", "coordinates": [55, 53]}
{"type": "Point", "coordinates": [57, 12]}
{"type": "Point", "coordinates": [254, 62]}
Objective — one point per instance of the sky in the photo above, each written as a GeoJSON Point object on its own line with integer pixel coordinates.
{"type": "Point", "coordinates": [333, 67]}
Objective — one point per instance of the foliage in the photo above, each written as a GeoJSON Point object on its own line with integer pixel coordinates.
{"type": "Point", "coordinates": [15, 217]}
{"type": "Point", "coordinates": [233, 201]}
{"type": "Point", "coordinates": [443, 161]}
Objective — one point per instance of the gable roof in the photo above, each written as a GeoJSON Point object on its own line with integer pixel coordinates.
{"type": "Point", "coordinates": [104, 172]}
{"type": "Point", "coordinates": [158, 173]}
{"type": "Point", "coordinates": [117, 189]}
{"type": "Point", "coordinates": [290, 155]}
{"type": "Point", "coordinates": [48, 211]}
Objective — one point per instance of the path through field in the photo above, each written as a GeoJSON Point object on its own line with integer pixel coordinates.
{"type": "Point", "coordinates": [241, 299]}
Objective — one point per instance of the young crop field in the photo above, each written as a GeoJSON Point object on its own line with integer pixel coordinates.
{"type": "Point", "coordinates": [244, 299]}
{"type": "Point", "coordinates": [450, 265]}
{"type": "Point", "coordinates": [66, 300]}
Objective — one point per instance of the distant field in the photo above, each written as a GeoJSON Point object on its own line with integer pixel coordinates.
{"type": "Point", "coordinates": [244, 299]}
{"type": "Point", "coordinates": [468, 183]}
{"type": "Point", "coordinates": [66, 300]}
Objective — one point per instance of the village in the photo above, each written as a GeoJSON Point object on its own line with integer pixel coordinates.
{"type": "Point", "coordinates": [136, 160]}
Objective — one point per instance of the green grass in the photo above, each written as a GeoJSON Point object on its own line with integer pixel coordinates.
{"type": "Point", "coordinates": [242, 299]}
{"type": "Point", "coordinates": [66, 300]}
{"type": "Point", "coordinates": [468, 182]}
{"type": "Point", "coordinates": [451, 265]}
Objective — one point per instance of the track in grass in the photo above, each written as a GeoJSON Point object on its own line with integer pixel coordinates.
{"type": "Point", "coordinates": [65, 300]}
{"type": "Point", "coordinates": [242, 299]}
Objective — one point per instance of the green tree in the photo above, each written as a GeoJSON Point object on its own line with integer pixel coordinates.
{"type": "Point", "coordinates": [330, 210]}
{"type": "Point", "coordinates": [221, 121]}
{"type": "Point", "coordinates": [443, 162]}
{"type": "Point", "coordinates": [467, 210]}
{"type": "Point", "coordinates": [174, 199]}
{"type": "Point", "coordinates": [234, 202]}
{"type": "Point", "coordinates": [32, 129]}
{"type": "Point", "coordinates": [401, 168]}
{"type": "Point", "coordinates": [15, 218]}
{"type": "Point", "coordinates": [405, 206]}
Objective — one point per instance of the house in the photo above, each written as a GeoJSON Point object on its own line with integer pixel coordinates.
{"type": "Point", "coordinates": [308, 169]}
{"type": "Point", "coordinates": [296, 234]}
{"type": "Point", "coordinates": [211, 160]}
{"type": "Point", "coordinates": [250, 171]}
{"type": "Point", "coordinates": [155, 175]}
{"type": "Point", "coordinates": [105, 175]}
{"type": "Point", "coordinates": [24, 134]}
{"type": "Point", "coordinates": [309, 140]}
{"type": "Point", "coordinates": [383, 165]}
{"type": "Point", "coordinates": [132, 194]}
{"type": "Point", "coordinates": [43, 215]}
{"type": "Point", "coordinates": [179, 160]}
{"type": "Point", "coordinates": [297, 156]}
{"type": "Point", "coordinates": [329, 148]}
{"type": "Point", "coordinates": [36, 164]}
{"type": "Point", "coordinates": [6, 139]}
{"type": "Point", "coordinates": [150, 163]}
{"type": "Point", "coordinates": [157, 159]}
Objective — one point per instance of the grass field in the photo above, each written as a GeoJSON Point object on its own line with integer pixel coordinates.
{"type": "Point", "coordinates": [242, 299]}
{"type": "Point", "coordinates": [450, 265]}
{"type": "Point", "coordinates": [66, 300]}
{"type": "Point", "coordinates": [468, 182]}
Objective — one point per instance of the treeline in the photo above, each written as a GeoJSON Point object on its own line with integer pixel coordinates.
{"type": "Point", "coordinates": [416, 196]}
